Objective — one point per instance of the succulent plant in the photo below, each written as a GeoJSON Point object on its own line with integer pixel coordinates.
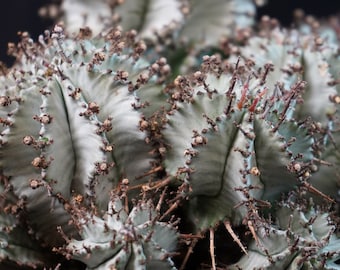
{"type": "Point", "coordinates": [300, 239]}
{"type": "Point", "coordinates": [124, 239]}
{"type": "Point", "coordinates": [151, 18]}
{"type": "Point", "coordinates": [12, 232]}
{"type": "Point", "coordinates": [73, 143]}
{"type": "Point", "coordinates": [308, 57]}
{"type": "Point", "coordinates": [122, 150]}
{"type": "Point", "coordinates": [297, 56]}
{"type": "Point", "coordinates": [237, 131]}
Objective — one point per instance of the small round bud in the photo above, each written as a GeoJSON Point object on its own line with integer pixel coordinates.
{"type": "Point", "coordinates": [143, 124]}
{"type": "Point", "coordinates": [335, 99]}
{"type": "Point", "coordinates": [162, 150]}
{"type": "Point", "coordinates": [28, 140]}
{"type": "Point", "coordinates": [199, 140]}
{"type": "Point", "coordinates": [78, 199]}
{"type": "Point", "coordinates": [93, 107]}
{"type": "Point", "coordinates": [35, 183]}
{"type": "Point", "coordinates": [58, 29]}
{"type": "Point", "coordinates": [297, 167]}
{"type": "Point", "coordinates": [125, 181]}
{"type": "Point", "coordinates": [45, 119]}
{"type": "Point", "coordinates": [103, 166]}
{"type": "Point", "coordinates": [155, 67]}
{"type": "Point", "coordinates": [255, 171]}
{"type": "Point", "coordinates": [4, 101]}
{"type": "Point", "coordinates": [37, 162]}
{"type": "Point", "coordinates": [108, 148]}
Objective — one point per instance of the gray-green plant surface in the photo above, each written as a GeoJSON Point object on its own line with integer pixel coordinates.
{"type": "Point", "coordinates": [122, 146]}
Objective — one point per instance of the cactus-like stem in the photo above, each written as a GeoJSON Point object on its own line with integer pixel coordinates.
{"type": "Point", "coordinates": [300, 239]}
{"type": "Point", "coordinates": [74, 125]}
{"type": "Point", "coordinates": [236, 144]}
{"type": "Point", "coordinates": [124, 240]}
{"type": "Point", "coordinates": [108, 143]}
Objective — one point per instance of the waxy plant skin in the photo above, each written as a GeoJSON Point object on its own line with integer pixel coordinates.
{"type": "Point", "coordinates": [134, 133]}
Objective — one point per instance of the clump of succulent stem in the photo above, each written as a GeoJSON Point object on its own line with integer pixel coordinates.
{"type": "Point", "coordinates": [74, 144]}
{"type": "Point", "coordinates": [301, 237]}
{"type": "Point", "coordinates": [114, 147]}
{"type": "Point", "coordinates": [123, 238]}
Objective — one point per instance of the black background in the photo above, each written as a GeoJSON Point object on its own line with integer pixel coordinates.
{"type": "Point", "coordinates": [21, 15]}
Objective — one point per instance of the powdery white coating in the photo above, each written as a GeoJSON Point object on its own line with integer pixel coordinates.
{"type": "Point", "coordinates": [81, 13]}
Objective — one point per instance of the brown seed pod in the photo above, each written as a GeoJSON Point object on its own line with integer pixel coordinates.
{"type": "Point", "coordinates": [4, 101]}
{"type": "Point", "coordinates": [93, 107]}
{"type": "Point", "coordinates": [103, 168]}
{"type": "Point", "coordinates": [143, 124]}
{"type": "Point", "coordinates": [40, 162]}
{"type": "Point", "coordinates": [44, 119]}
{"type": "Point", "coordinates": [199, 140]}
{"type": "Point", "coordinates": [28, 140]}
{"type": "Point", "coordinates": [255, 171]}
{"type": "Point", "coordinates": [35, 183]}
